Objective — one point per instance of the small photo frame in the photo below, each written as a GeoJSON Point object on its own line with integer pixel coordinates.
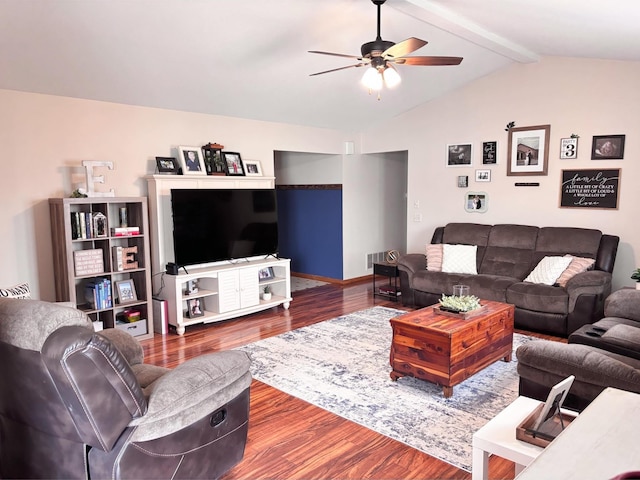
{"type": "Point", "coordinates": [489, 153]}
{"type": "Point", "coordinates": [252, 168]}
{"type": "Point", "coordinates": [607, 147]}
{"type": "Point", "coordinates": [192, 161]}
{"type": "Point", "coordinates": [195, 308]}
{"type": "Point", "coordinates": [266, 273]}
{"type": "Point", "coordinates": [167, 165]}
{"type": "Point", "coordinates": [126, 290]}
{"type": "Point", "coordinates": [459, 155]}
{"type": "Point", "coordinates": [463, 181]}
{"type": "Point", "coordinates": [191, 287]}
{"type": "Point", "coordinates": [233, 163]}
{"type": "Point", "coordinates": [483, 175]}
{"type": "Point", "coordinates": [476, 202]}
{"type": "Point", "coordinates": [568, 148]}
{"type": "Point", "coordinates": [554, 402]}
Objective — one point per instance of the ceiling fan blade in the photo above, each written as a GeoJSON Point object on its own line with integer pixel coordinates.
{"type": "Point", "coordinates": [336, 54]}
{"type": "Point", "coordinates": [427, 61]}
{"type": "Point", "coordinates": [404, 48]}
{"type": "Point", "coordinates": [341, 68]}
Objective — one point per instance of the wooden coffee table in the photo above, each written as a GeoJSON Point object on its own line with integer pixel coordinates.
{"type": "Point", "coordinates": [445, 349]}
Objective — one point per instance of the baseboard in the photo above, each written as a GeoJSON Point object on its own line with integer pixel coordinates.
{"type": "Point", "coordinates": [331, 280]}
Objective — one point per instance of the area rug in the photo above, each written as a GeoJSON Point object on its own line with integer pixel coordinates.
{"type": "Point", "coordinates": [342, 365]}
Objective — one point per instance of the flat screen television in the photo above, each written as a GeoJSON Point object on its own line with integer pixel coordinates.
{"type": "Point", "coordinates": [214, 225]}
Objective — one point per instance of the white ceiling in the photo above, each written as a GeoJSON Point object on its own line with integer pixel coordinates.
{"type": "Point", "coordinates": [248, 58]}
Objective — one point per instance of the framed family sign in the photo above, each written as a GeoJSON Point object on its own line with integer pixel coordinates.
{"type": "Point", "coordinates": [528, 150]}
{"type": "Point", "coordinates": [590, 188]}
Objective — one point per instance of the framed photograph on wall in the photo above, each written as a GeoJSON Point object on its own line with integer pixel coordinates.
{"type": "Point", "coordinates": [126, 290]}
{"type": "Point", "coordinates": [528, 150]}
{"type": "Point", "coordinates": [568, 148]}
{"type": "Point", "coordinates": [459, 155]}
{"type": "Point", "coordinates": [167, 165]}
{"type": "Point", "coordinates": [233, 163]}
{"type": "Point", "coordinates": [252, 168]}
{"type": "Point", "coordinates": [192, 161]}
{"type": "Point", "coordinates": [476, 202]}
{"type": "Point", "coordinates": [463, 181]}
{"type": "Point", "coordinates": [483, 175]}
{"type": "Point", "coordinates": [489, 153]}
{"type": "Point", "coordinates": [607, 147]}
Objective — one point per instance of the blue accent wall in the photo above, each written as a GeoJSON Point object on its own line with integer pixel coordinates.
{"type": "Point", "coordinates": [310, 230]}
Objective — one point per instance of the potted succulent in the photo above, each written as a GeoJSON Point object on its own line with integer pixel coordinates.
{"type": "Point", "coordinates": [636, 276]}
{"type": "Point", "coordinates": [266, 293]}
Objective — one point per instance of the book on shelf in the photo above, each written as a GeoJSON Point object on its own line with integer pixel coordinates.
{"type": "Point", "coordinates": [87, 225]}
{"type": "Point", "coordinates": [125, 231]}
{"type": "Point", "coordinates": [98, 294]}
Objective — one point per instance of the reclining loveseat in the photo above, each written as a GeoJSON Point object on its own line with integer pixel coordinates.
{"type": "Point", "coordinates": [508, 265]}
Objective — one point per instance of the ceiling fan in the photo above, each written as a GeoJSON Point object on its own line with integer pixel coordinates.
{"type": "Point", "coordinates": [381, 55]}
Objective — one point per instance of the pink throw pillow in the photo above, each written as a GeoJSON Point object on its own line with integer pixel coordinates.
{"type": "Point", "coordinates": [434, 257]}
{"type": "Point", "coordinates": [577, 265]}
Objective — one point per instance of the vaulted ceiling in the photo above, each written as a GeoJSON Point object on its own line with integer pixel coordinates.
{"type": "Point", "coordinates": [249, 58]}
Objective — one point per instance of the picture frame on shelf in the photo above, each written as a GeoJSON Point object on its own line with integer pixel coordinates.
{"type": "Point", "coordinates": [266, 273]}
{"type": "Point", "coordinates": [126, 291]}
{"type": "Point", "coordinates": [233, 164]}
{"type": "Point", "coordinates": [607, 147]}
{"type": "Point", "coordinates": [568, 148]}
{"type": "Point", "coordinates": [459, 155]}
{"type": "Point", "coordinates": [463, 181]}
{"type": "Point", "coordinates": [192, 161]}
{"type": "Point", "coordinates": [476, 202]}
{"type": "Point", "coordinates": [167, 165]}
{"type": "Point", "coordinates": [490, 153]}
{"type": "Point", "coordinates": [483, 175]}
{"type": "Point", "coordinates": [528, 150]}
{"type": "Point", "coordinates": [195, 308]}
{"type": "Point", "coordinates": [252, 168]}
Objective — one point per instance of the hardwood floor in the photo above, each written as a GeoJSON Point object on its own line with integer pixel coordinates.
{"type": "Point", "coordinates": [290, 438]}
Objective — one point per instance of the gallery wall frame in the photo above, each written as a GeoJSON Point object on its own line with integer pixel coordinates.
{"type": "Point", "coordinates": [568, 148]}
{"type": "Point", "coordinates": [528, 150]}
{"type": "Point", "coordinates": [459, 154]}
{"type": "Point", "coordinates": [463, 181]}
{"type": "Point", "coordinates": [483, 175]}
{"type": "Point", "coordinates": [476, 202]}
{"type": "Point", "coordinates": [490, 153]}
{"type": "Point", "coordinates": [590, 188]}
{"type": "Point", "coordinates": [607, 147]}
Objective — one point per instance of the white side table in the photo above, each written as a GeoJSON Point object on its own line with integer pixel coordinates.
{"type": "Point", "coordinates": [498, 437]}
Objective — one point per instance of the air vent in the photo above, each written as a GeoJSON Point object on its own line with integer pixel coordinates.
{"type": "Point", "coordinates": [377, 257]}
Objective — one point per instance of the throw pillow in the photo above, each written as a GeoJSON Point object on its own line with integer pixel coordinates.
{"type": "Point", "coordinates": [548, 270]}
{"type": "Point", "coordinates": [577, 265]}
{"type": "Point", "coordinates": [459, 258]}
{"type": "Point", "coordinates": [22, 290]}
{"type": "Point", "coordinates": [434, 257]}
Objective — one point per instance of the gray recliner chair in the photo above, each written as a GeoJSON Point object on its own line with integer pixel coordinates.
{"type": "Point", "coordinates": [79, 404]}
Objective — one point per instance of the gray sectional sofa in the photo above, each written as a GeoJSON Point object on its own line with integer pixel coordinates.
{"type": "Point", "coordinates": [506, 254]}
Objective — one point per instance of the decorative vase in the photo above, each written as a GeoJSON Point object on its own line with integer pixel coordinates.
{"type": "Point", "coordinates": [266, 296]}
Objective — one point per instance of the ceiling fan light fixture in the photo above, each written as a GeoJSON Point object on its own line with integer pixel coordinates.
{"type": "Point", "coordinates": [391, 77]}
{"type": "Point", "coordinates": [372, 79]}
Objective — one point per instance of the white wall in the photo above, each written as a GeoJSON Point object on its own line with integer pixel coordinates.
{"type": "Point", "coordinates": [374, 199]}
{"type": "Point", "coordinates": [45, 138]}
{"type": "Point", "coordinates": [586, 97]}
{"type": "Point", "coordinates": [304, 168]}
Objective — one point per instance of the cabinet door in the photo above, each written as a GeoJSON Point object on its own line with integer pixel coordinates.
{"type": "Point", "coordinates": [249, 287]}
{"type": "Point", "coordinates": [228, 291]}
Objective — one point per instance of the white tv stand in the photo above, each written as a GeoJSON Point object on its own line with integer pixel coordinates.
{"type": "Point", "coordinates": [226, 291]}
